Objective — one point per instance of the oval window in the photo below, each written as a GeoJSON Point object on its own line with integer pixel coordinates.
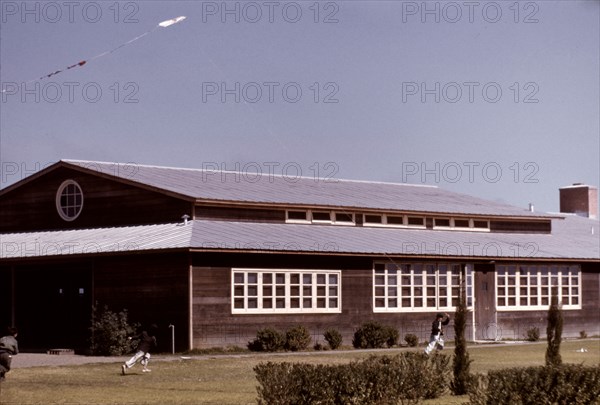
{"type": "Point", "coordinates": [69, 200]}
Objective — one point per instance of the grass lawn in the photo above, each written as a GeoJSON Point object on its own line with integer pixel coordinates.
{"type": "Point", "coordinates": [224, 380]}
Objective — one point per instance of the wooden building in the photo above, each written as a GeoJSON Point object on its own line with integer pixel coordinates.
{"type": "Point", "coordinates": [220, 255]}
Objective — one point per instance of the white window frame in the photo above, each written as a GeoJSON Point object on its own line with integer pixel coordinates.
{"type": "Point", "coordinates": [385, 223]}
{"type": "Point", "coordinates": [528, 287]}
{"type": "Point", "coordinates": [334, 220]}
{"type": "Point", "coordinates": [59, 206]}
{"type": "Point", "coordinates": [297, 221]}
{"type": "Point", "coordinates": [266, 296]}
{"type": "Point", "coordinates": [310, 220]}
{"type": "Point", "coordinates": [453, 227]}
{"type": "Point", "coordinates": [422, 226]}
{"type": "Point", "coordinates": [419, 285]}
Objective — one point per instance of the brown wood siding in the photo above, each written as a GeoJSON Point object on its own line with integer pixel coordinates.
{"type": "Point", "coordinates": [153, 289]}
{"type": "Point", "coordinates": [106, 203]}
{"type": "Point", "coordinates": [521, 226]}
{"type": "Point", "coordinates": [239, 214]}
{"type": "Point", "coordinates": [515, 324]}
{"type": "Point", "coordinates": [215, 325]}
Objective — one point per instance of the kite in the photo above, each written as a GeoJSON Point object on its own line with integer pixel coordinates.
{"type": "Point", "coordinates": [162, 24]}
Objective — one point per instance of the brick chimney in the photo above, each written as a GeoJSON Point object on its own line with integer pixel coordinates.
{"type": "Point", "coordinates": [579, 199]}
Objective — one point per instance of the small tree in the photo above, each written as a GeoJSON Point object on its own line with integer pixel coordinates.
{"type": "Point", "coordinates": [554, 331]}
{"type": "Point", "coordinates": [109, 332]}
{"type": "Point", "coordinates": [267, 340]}
{"type": "Point", "coordinates": [461, 361]}
{"type": "Point", "coordinates": [333, 338]}
{"type": "Point", "coordinates": [297, 338]}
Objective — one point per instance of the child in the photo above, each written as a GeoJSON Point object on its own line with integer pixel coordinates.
{"type": "Point", "coordinates": [147, 341]}
{"type": "Point", "coordinates": [437, 332]}
{"type": "Point", "coordinates": [8, 348]}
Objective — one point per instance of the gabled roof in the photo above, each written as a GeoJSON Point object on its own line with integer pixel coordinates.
{"type": "Point", "coordinates": [573, 239]}
{"type": "Point", "coordinates": [252, 188]}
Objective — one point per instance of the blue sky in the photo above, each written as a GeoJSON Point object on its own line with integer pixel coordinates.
{"type": "Point", "coordinates": [495, 99]}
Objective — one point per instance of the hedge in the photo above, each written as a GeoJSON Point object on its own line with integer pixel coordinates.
{"type": "Point", "coordinates": [406, 378]}
{"type": "Point", "coordinates": [565, 384]}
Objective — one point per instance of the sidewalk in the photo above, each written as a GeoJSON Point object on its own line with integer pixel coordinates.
{"type": "Point", "coordinates": [23, 360]}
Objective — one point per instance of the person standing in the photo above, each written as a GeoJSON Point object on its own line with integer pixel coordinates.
{"type": "Point", "coordinates": [436, 340]}
{"type": "Point", "coordinates": [8, 347]}
{"type": "Point", "coordinates": [147, 342]}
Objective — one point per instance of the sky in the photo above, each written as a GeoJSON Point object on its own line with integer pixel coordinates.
{"type": "Point", "coordinates": [496, 99]}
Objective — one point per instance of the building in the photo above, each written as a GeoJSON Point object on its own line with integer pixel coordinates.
{"type": "Point", "coordinates": [216, 256]}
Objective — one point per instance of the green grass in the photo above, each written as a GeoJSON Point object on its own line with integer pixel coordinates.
{"type": "Point", "coordinates": [229, 379]}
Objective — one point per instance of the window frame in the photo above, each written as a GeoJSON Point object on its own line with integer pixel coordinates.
{"type": "Point", "coordinates": [268, 288]}
{"type": "Point", "coordinates": [309, 217]}
{"type": "Point", "coordinates": [515, 279]}
{"type": "Point", "coordinates": [59, 197]}
{"type": "Point", "coordinates": [417, 280]}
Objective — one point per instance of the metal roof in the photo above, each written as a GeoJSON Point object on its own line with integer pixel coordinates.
{"type": "Point", "coordinates": [272, 189]}
{"type": "Point", "coordinates": [572, 238]}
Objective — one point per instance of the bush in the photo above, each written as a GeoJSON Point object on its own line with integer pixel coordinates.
{"type": "Point", "coordinates": [554, 332]}
{"type": "Point", "coordinates": [333, 338]}
{"type": "Point", "coordinates": [461, 362]}
{"type": "Point", "coordinates": [411, 340]}
{"type": "Point", "coordinates": [405, 378]}
{"type": "Point", "coordinates": [566, 384]}
{"type": "Point", "coordinates": [582, 334]}
{"type": "Point", "coordinates": [109, 332]}
{"type": "Point", "coordinates": [373, 335]}
{"type": "Point", "coordinates": [533, 334]}
{"type": "Point", "coordinates": [267, 340]}
{"type": "Point", "coordinates": [297, 338]}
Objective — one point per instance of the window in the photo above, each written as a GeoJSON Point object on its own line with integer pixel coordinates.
{"type": "Point", "coordinates": [342, 217]}
{"type": "Point", "coordinates": [481, 224]}
{"type": "Point", "coordinates": [297, 216]}
{"type": "Point", "coordinates": [286, 291]}
{"type": "Point", "coordinates": [444, 222]}
{"type": "Point", "coordinates": [415, 221]}
{"type": "Point", "coordinates": [394, 220]}
{"type": "Point", "coordinates": [319, 216]}
{"type": "Point", "coordinates": [415, 287]}
{"type": "Point", "coordinates": [461, 223]}
{"type": "Point", "coordinates": [530, 287]}
{"type": "Point", "coordinates": [373, 219]}
{"type": "Point", "coordinates": [69, 200]}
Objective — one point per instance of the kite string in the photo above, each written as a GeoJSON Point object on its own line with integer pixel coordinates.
{"type": "Point", "coordinates": [83, 62]}
{"type": "Point", "coordinates": [123, 44]}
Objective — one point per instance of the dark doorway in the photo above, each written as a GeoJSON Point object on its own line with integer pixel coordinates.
{"type": "Point", "coordinates": [53, 306]}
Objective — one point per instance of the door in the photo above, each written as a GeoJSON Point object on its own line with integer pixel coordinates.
{"type": "Point", "coordinates": [53, 306]}
{"type": "Point", "coordinates": [486, 327]}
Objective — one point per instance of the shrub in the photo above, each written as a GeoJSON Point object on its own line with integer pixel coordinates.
{"type": "Point", "coordinates": [405, 378]}
{"type": "Point", "coordinates": [411, 340]}
{"type": "Point", "coordinates": [566, 384]}
{"type": "Point", "coordinates": [109, 332]}
{"type": "Point", "coordinates": [554, 332]}
{"type": "Point", "coordinates": [533, 334]}
{"type": "Point", "coordinates": [374, 335]}
{"type": "Point", "coordinates": [333, 338]}
{"type": "Point", "coordinates": [460, 362]}
{"type": "Point", "coordinates": [297, 338]}
{"type": "Point", "coordinates": [582, 334]}
{"type": "Point", "coordinates": [393, 336]}
{"type": "Point", "coordinates": [267, 340]}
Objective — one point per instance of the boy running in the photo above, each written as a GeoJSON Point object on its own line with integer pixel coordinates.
{"type": "Point", "coordinates": [437, 332]}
